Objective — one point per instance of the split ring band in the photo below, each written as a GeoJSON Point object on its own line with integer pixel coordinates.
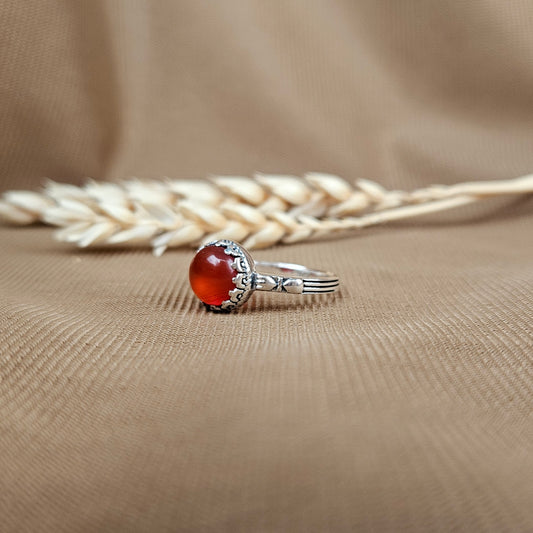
{"type": "Point", "coordinates": [223, 276]}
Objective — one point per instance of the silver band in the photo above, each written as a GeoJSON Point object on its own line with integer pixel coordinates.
{"type": "Point", "coordinates": [301, 280]}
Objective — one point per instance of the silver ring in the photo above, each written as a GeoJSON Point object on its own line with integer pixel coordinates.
{"type": "Point", "coordinates": [223, 276]}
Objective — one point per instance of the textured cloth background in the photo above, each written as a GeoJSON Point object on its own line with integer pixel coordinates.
{"type": "Point", "coordinates": [404, 403]}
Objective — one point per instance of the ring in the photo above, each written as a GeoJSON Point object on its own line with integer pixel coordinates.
{"type": "Point", "coordinates": [223, 276]}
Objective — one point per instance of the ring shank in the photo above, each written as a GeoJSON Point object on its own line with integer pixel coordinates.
{"type": "Point", "coordinates": [295, 279]}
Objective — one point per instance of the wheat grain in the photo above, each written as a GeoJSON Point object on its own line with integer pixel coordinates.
{"type": "Point", "coordinates": [259, 211]}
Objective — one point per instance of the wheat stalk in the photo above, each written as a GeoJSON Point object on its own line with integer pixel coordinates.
{"type": "Point", "coordinates": [259, 211]}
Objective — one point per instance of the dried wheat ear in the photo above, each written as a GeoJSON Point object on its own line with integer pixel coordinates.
{"type": "Point", "coordinates": [259, 211]}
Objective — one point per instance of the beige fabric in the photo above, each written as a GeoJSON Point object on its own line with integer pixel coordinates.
{"type": "Point", "coordinates": [404, 403]}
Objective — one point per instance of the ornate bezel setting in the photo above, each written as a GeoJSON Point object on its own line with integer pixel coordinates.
{"type": "Point", "coordinates": [243, 264]}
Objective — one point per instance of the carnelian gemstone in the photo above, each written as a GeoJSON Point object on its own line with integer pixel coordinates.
{"type": "Point", "coordinates": [211, 275]}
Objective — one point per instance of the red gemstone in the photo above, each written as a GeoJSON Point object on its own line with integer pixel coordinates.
{"type": "Point", "coordinates": [211, 275]}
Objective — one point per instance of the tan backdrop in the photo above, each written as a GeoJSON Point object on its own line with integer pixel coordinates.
{"type": "Point", "coordinates": [404, 403]}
